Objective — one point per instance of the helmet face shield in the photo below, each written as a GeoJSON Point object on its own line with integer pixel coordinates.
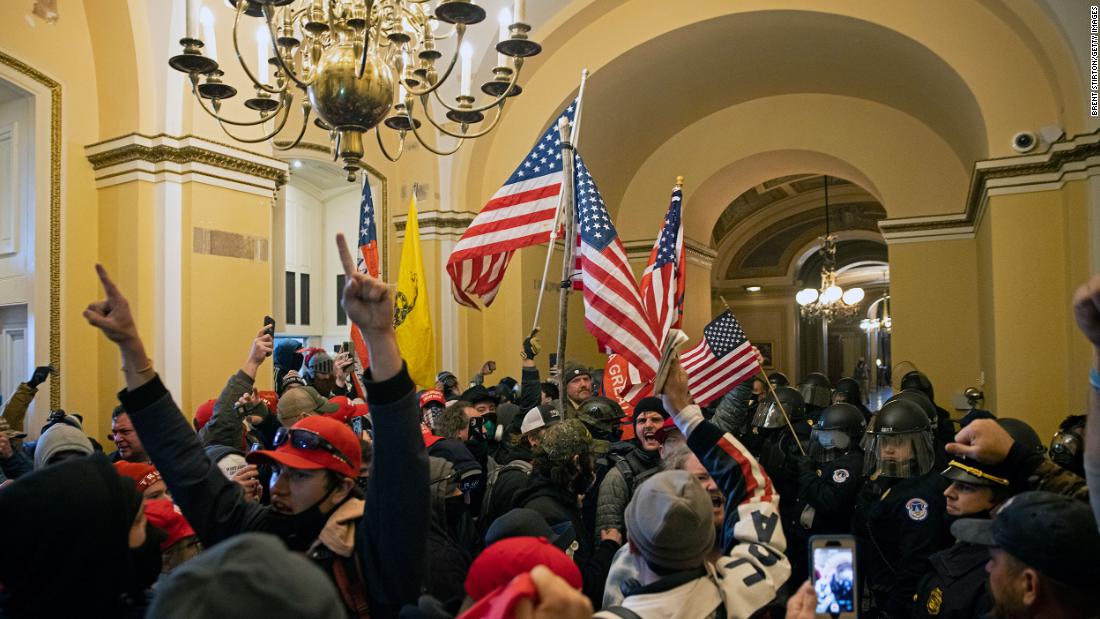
{"type": "Point", "coordinates": [768, 415]}
{"type": "Point", "coordinates": [816, 395]}
{"type": "Point", "coordinates": [902, 455]}
{"type": "Point", "coordinates": [828, 445]}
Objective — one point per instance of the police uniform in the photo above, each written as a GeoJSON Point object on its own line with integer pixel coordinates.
{"type": "Point", "coordinates": [827, 494]}
{"type": "Point", "coordinates": [898, 524]}
{"type": "Point", "coordinates": [958, 585]}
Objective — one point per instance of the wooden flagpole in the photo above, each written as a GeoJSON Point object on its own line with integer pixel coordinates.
{"type": "Point", "coordinates": [775, 397]}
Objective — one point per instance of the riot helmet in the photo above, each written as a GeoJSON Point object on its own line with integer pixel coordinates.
{"type": "Point", "coordinates": [918, 380]}
{"type": "Point", "coordinates": [837, 430]}
{"type": "Point", "coordinates": [769, 415]}
{"type": "Point", "coordinates": [779, 379]}
{"type": "Point", "coordinates": [1067, 445]}
{"type": "Point", "coordinates": [816, 390]}
{"type": "Point", "coordinates": [900, 442]}
{"type": "Point", "coordinates": [602, 416]}
{"type": "Point", "coordinates": [920, 399]}
{"type": "Point", "coordinates": [1023, 433]}
{"type": "Point", "coordinates": [847, 390]}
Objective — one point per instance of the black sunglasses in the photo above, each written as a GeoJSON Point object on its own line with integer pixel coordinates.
{"type": "Point", "coordinates": [307, 439]}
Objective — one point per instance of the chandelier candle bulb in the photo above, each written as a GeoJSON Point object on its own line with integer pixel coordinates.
{"type": "Point", "coordinates": [467, 54]}
{"type": "Point", "coordinates": [189, 18]}
{"type": "Point", "coordinates": [519, 11]}
{"type": "Point", "coordinates": [505, 19]}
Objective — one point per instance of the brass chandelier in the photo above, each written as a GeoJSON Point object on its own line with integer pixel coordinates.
{"type": "Point", "coordinates": [359, 64]}
{"type": "Point", "coordinates": [830, 302]}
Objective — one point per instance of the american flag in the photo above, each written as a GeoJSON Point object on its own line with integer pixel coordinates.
{"type": "Point", "coordinates": [724, 359]}
{"type": "Point", "coordinates": [663, 278]}
{"type": "Point", "coordinates": [613, 310]}
{"type": "Point", "coordinates": [521, 213]}
{"type": "Point", "coordinates": [367, 263]}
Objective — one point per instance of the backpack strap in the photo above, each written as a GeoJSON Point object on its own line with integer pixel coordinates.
{"type": "Point", "coordinates": [627, 471]}
{"type": "Point", "coordinates": [352, 586]}
{"type": "Point", "coordinates": [623, 612]}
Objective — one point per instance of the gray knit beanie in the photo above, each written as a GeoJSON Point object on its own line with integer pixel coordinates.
{"type": "Point", "coordinates": [671, 521]}
{"type": "Point", "coordinates": [59, 438]}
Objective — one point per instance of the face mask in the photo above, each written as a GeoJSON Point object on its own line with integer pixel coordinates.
{"type": "Point", "coordinates": [309, 524]}
{"type": "Point", "coordinates": [145, 560]}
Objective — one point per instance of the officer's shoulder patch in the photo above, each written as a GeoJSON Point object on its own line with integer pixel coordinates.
{"type": "Point", "coordinates": [917, 509]}
{"type": "Point", "coordinates": [841, 475]}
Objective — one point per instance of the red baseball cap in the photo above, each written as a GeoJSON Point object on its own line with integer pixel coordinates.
{"type": "Point", "coordinates": [432, 395]}
{"type": "Point", "coordinates": [164, 515]}
{"type": "Point", "coordinates": [503, 560]}
{"type": "Point", "coordinates": [429, 438]}
{"type": "Point", "coordinates": [347, 409]}
{"type": "Point", "coordinates": [203, 414]}
{"type": "Point", "coordinates": [144, 475]}
{"type": "Point", "coordinates": [337, 434]}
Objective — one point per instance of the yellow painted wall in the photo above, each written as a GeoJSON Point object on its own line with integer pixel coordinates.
{"type": "Point", "coordinates": [225, 298]}
{"type": "Point", "coordinates": [933, 299]}
{"type": "Point", "coordinates": [1038, 248]}
{"type": "Point", "coordinates": [63, 51]}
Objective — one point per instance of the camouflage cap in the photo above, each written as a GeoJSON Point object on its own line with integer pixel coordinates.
{"type": "Point", "coordinates": [564, 440]}
{"type": "Point", "coordinates": [573, 370]}
{"type": "Point", "coordinates": [6, 430]}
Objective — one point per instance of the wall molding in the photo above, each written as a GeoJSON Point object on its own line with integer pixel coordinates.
{"type": "Point", "coordinates": [436, 225]}
{"type": "Point", "coordinates": [696, 253]}
{"type": "Point", "coordinates": [53, 87]}
{"type": "Point", "coordinates": [166, 158]}
{"type": "Point", "coordinates": [1066, 160]}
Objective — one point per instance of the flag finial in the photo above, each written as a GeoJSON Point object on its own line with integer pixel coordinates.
{"type": "Point", "coordinates": [679, 181]}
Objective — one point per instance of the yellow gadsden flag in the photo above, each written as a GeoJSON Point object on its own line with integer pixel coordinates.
{"type": "Point", "coordinates": [412, 319]}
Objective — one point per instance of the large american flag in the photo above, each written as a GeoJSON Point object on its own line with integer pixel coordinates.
{"type": "Point", "coordinates": [663, 278]}
{"type": "Point", "coordinates": [722, 360]}
{"type": "Point", "coordinates": [521, 213]}
{"type": "Point", "coordinates": [613, 310]}
{"type": "Point", "coordinates": [367, 263]}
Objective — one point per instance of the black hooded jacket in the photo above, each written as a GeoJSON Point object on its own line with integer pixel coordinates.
{"type": "Point", "coordinates": [75, 515]}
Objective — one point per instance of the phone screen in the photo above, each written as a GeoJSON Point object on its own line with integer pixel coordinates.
{"type": "Point", "coordinates": [834, 580]}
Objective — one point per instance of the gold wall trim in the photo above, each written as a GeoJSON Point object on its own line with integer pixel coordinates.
{"type": "Point", "coordinates": [1066, 160]}
{"type": "Point", "coordinates": [436, 224]}
{"type": "Point", "coordinates": [383, 212]}
{"type": "Point", "coordinates": [163, 148]}
{"type": "Point", "coordinates": [55, 214]}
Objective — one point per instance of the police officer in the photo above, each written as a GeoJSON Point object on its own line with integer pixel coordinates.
{"type": "Point", "coordinates": [941, 436]}
{"type": "Point", "coordinates": [768, 418]}
{"type": "Point", "coordinates": [847, 390]}
{"type": "Point", "coordinates": [779, 379]}
{"type": "Point", "coordinates": [899, 515]}
{"type": "Point", "coordinates": [817, 392]}
{"type": "Point", "coordinates": [957, 584]}
{"type": "Point", "coordinates": [944, 427]}
{"type": "Point", "coordinates": [829, 480]}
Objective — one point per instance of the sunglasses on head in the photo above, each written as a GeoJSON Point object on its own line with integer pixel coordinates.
{"type": "Point", "coordinates": [307, 439]}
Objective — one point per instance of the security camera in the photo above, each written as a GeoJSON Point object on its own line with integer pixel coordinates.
{"type": "Point", "coordinates": [1024, 142]}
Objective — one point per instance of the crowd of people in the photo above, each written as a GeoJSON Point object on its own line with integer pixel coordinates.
{"type": "Point", "coordinates": [527, 498]}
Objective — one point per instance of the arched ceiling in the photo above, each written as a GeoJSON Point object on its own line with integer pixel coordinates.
{"type": "Point", "coordinates": [659, 73]}
{"type": "Point", "coordinates": [761, 232]}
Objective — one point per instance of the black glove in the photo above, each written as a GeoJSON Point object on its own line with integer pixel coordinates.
{"type": "Point", "coordinates": [531, 345]}
{"type": "Point", "coordinates": [805, 464]}
{"type": "Point", "coordinates": [41, 373]}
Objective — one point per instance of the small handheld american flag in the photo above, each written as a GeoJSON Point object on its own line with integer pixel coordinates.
{"type": "Point", "coordinates": [722, 360]}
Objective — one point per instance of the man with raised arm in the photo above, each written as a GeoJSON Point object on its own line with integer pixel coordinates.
{"type": "Point", "coordinates": [373, 550]}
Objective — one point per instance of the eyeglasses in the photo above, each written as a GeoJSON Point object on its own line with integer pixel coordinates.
{"type": "Point", "coordinates": [307, 439]}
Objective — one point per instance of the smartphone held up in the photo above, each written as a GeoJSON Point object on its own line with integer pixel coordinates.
{"type": "Point", "coordinates": [833, 560]}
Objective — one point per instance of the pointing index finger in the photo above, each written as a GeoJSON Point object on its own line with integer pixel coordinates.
{"type": "Point", "coordinates": [108, 285]}
{"type": "Point", "coordinates": [345, 255]}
